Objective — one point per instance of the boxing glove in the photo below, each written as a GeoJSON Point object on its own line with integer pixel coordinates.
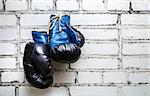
{"type": "Point", "coordinates": [65, 42]}
{"type": "Point", "coordinates": [36, 61]}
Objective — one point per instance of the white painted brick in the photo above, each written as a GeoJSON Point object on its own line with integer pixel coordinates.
{"type": "Point", "coordinates": [142, 63]}
{"type": "Point", "coordinates": [141, 4]}
{"type": "Point", "coordinates": [9, 20]}
{"type": "Point", "coordinates": [136, 48]}
{"type": "Point", "coordinates": [114, 77]}
{"type": "Point", "coordinates": [103, 49]}
{"type": "Point", "coordinates": [16, 5]}
{"type": "Point", "coordinates": [93, 91]}
{"type": "Point", "coordinates": [1, 4]}
{"type": "Point", "coordinates": [51, 91]}
{"type": "Point", "coordinates": [7, 91]}
{"type": "Point", "coordinates": [93, 4]}
{"type": "Point", "coordinates": [135, 91]}
{"type": "Point", "coordinates": [135, 19]}
{"type": "Point", "coordinates": [95, 63]}
{"type": "Point", "coordinates": [7, 62]}
{"type": "Point", "coordinates": [67, 5]}
{"type": "Point", "coordinates": [118, 4]}
{"type": "Point", "coordinates": [21, 62]}
{"type": "Point", "coordinates": [58, 65]}
{"type": "Point", "coordinates": [8, 49]}
{"type": "Point", "coordinates": [23, 47]}
{"type": "Point", "coordinates": [90, 77]}
{"type": "Point", "coordinates": [12, 76]}
{"type": "Point", "coordinates": [93, 19]}
{"type": "Point", "coordinates": [100, 34]}
{"type": "Point", "coordinates": [38, 19]}
{"type": "Point", "coordinates": [42, 4]}
{"type": "Point", "coordinates": [139, 77]}
{"type": "Point", "coordinates": [8, 34]}
{"type": "Point", "coordinates": [133, 33]}
{"type": "Point", "coordinates": [64, 77]}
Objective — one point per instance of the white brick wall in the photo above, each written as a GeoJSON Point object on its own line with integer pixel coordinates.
{"type": "Point", "coordinates": [51, 91]}
{"type": "Point", "coordinates": [136, 48]}
{"type": "Point", "coordinates": [93, 4]}
{"type": "Point", "coordinates": [136, 91]}
{"type": "Point", "coordinates": [103, 49]}
{"type": "Point", "coordinates": [90, 77]}
{"type": "Point", "coordinates": [7, 91]}
{"type": "Point", "coordinates": [93, 91]}
{"type": "Point", "coordinates": [7, 49]}
{"type": "Point", "coordinates": [136, 33]}
{"type": "Point", "coordinates": [114, 60]}
{"type": "Point", "coordinates": [42, 5]}
{"type": "Point", "coordinates": [7, 62]}
{"type": "Point", "coordinates": [8, 34]}
{"type": "Point", "coordinates": [118, 5]}
{"type": "Point", "coordinates": [9, 20]}
{"type": "Point", "coordinates": [12, 77]}
{"type": "Point", "coordinates": [114, 77]}
{"type": "Point", "coordinates": [64, 77]}
{"type": "Point", "coordinates": [1, 5]}
{"type": "Point", "coordinates": [135, 19]}
{"type": "Point", "coordinates": [12, 5]}
{"type": "Point", "coordinates": [67, 5]}
{"type": "Point", "coordinates": [100, 34]}
{"type": "Point", "coordinates": [96, 63]}
{"type": "Point", "coordinates": [140, 4]}
{"type": "Point", "coordinates": [93, 19]}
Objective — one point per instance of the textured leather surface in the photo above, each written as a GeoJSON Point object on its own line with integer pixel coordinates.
{"type": "Point", "coordinates": [37, 63]}
{"type": "Point", "coordinates": [65, 41]}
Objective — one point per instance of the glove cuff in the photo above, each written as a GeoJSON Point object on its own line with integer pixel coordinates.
{"type": "Point", "coordinates": [40, 37]}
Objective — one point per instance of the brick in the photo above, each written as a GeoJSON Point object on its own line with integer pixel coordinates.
{"type": "Point", "coordinates": [7, 91]}
{"type": "Point", "coordinates": [8, 34]}
{"type": "Point", "coordinates": [1, 4]}
{"type": "Point", "coordinates": [118, 5]}
{"type": "Point", "coordinates": [135, 48]}
{"type": "Point", "coordinates": [139, 77]}
{"type": "Point", "coordinates": [8, 49]}
{"type": "Point", "coordinates": [7, 62]}
{"type": "Point", "coordinates": [114, 77]}
{"type": "Point", "coordinates": [93, 91]}
{"type": "Point", "coordinates": [102, 49]}
{"type": "Point", "coordinates": [137, 62]}
{"type": "Point", "coordinates": [42, 5]}
{"type": "Point", "coordinates": [95, 63]}
{"type": "Point", "coordinates": [93, 19]}
{"type": "Point", "coordinates": [135, 91]}
{"type": "Point", "coordinates": [136, 33]}
{"type": "Point", "coordinates": [9, 20]}
{"type": "Point", "coordinates": [31, 19]}
{"type": "Point", "coordinates": [67, 5]}
{"type": "Point", "coordinates": [64, 77]}
{"type": "Point", "coordinates": [135, 19]}
{"type": "Point", "coordinates": [93, 4]}
{"type": "Point", "coordinates": [23, 47]}
{"type": "Point", "coordinates": [90, 77]}
{"type": "Point", "coordinates": [12, 76]}
{"type": "Point", "coordinates": [140, 4]}
{"type": "Point", "coordinates": [58, 65]}
{"type": "Point", "coordinates": [51, 91]}
{"type": "Point", "coordinates": [100, 34]}
{"type": "Point", "coordinates": [13, 5]}
{"type": "Point", "coordinates": [27, 33]}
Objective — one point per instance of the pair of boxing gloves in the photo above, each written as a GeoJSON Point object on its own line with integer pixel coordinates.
{"type": "Point", "coordinates": [62, 44]}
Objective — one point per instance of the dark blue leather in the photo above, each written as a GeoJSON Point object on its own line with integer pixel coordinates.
{"type": "Point", "coordinates": [40, 37]}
